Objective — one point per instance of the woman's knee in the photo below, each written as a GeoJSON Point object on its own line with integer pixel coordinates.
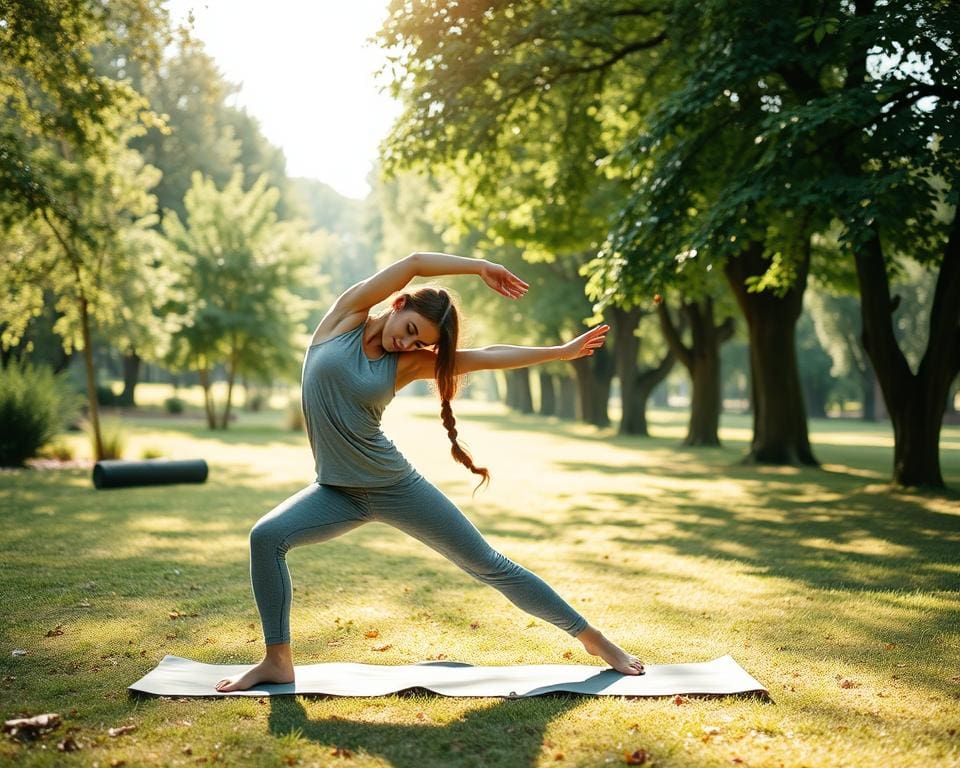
{"type": "Point", "coordinates": [496, 567]}
{"type": "Point", "coordinates": [265, 537]}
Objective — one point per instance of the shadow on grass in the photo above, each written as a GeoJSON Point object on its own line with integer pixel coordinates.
{"type": "Point", "coordinates": [835, 534]}
{"type": "Point", "coordinates": [505, 733]}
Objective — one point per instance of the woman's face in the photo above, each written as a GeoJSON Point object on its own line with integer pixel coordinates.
{"type": "Point", "coordinates": [407, 330]}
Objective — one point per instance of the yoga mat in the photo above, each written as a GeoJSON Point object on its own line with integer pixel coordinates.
{"type": "Point", "coordinates": [176, 676]}
{"type": "Point", "coordinates": [115, 473]}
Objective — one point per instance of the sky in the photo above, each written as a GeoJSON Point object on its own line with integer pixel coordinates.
{"type": "Point", "coordinates": [307, 73]}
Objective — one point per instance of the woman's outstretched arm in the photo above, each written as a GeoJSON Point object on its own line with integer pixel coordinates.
{"type": "Point", "coordinates": [370, 292]}
{"type": "Point", "coordinates": [508, 356]}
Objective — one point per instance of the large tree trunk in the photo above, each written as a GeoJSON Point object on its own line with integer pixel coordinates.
{"type": "Point", "coordinates": [548, 394]}
{"type": "Point", "coordinates": [702, 361]}
{"type": "Point", "coordinates": [779, 418]}
{"type": "Point", "coordinates": [868, 383]}
{"type": "Point", "coordinates": [91, 377]}
{"type": "Point", "coordinates": [520, 396]}
{"type": "Point", "coordinates": [915, 402]}
{"type": "Point", "coordinates": [635, 385]}
{"type": "Point", "coordinates": [131, 375]}
{"type": "Point", "coordinates": [567, 403]}
{"type": "Point", "coordinates": [594, 374]}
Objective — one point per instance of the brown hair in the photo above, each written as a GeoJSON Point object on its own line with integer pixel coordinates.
{"type": "Point", "coordinates": [437, 306]}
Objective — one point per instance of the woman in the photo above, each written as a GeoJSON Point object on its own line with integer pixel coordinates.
{"type": "Point", "coordinates": [352, 369]}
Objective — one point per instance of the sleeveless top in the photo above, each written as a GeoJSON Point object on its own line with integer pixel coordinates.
{"type": "Point", "coordinates": [343, 396]}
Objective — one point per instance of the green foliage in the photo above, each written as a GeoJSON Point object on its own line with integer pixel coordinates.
{"type": "Point", "coordinates": [523, 137]}
{"type": "Point", "coordinates": [58, 107]}
{"type": "Point", "coordinates": [174, 405]}
{"type": "Point", "coordinates": [34, 406]}
{"type": "Point", "coordinates": [106, 395]}
{"type": "Point", "coordinates": [784, 123]}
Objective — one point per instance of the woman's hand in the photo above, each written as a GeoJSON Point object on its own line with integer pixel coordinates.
{"type": "Point", "coordinates": [502, 280]}
{"type": "Point", "coordinates": [585, 344]}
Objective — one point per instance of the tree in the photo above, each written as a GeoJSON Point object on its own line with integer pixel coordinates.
{"type": "Point", "coordinates": [845, 118]}
{"type": "Point", "coordinates": [70, 187]}
{"type": "Point", "coordinates": [237, 273]}
{"type": "Point", "coordinates": [702, 361]}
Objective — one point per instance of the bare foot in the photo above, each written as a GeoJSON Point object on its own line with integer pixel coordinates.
{"type": "Point", "coordinates": [267, 671]}
{"type": "Point", "coordinates": [597, 645]}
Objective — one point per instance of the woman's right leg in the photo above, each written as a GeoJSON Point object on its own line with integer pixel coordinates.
{"type": "Point", "coordinates": [317, 513]}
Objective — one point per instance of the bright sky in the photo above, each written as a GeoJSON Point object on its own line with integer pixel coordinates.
{"type": "Point", "coordinates": [307, 74]}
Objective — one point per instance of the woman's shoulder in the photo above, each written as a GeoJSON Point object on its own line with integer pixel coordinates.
{"type": "Point", "coordinates": [332, 326]}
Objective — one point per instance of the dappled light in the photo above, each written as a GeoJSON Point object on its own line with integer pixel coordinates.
{"type": "Point", "coordinates": [838, 595]}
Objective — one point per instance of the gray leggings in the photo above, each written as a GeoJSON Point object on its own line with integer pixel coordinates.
{"type": "Point", "coordinates": [320, 512]}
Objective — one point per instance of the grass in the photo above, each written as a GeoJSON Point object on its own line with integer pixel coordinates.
{"type": "Point", "coordinates": [837, 593]}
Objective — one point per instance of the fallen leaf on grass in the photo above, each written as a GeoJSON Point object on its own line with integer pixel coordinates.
{"type": "Point", "coordinates": [846, 682]}
{"type": "Point", "coordinates": [371, 633]}
{"type": "Point", "coordinates": [639, 757]}
{"type": "Point", "coordinates": [680, 700]}
{"type": "Point", "coordinates": [889, 646]}
{"type": "Point", "coordinates": [32, 726]}
{"type": "Point", "coordinates": [384, 647]}
{"type": "Point", "coordinates": [120, 730]}
{"type": "Point", "coordinates": [710, 730]}
{"type": "Point", "coordinates": [568, 655]}
{"type": "Point", "coordinates": [341, 752]}
{"type": "Point", "coordinates": [474, 625]}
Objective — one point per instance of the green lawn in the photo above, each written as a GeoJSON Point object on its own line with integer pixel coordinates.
{"type": "Point", "coordinates": [837, 593]}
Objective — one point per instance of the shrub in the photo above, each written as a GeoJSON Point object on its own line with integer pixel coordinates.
{"type": "Point", "coordinates": [174, 405]}
{"type": "Point", "coordinates": [151, 453]}
{"type": "Point", "coordinates": [106, 396]}
{"type": "Point", "coordinates": [35, 404]}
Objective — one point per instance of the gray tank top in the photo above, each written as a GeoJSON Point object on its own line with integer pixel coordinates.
{"type": "Point", "coordinates": [343, 396]}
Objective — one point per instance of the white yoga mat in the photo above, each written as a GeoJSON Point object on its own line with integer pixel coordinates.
{"type": "Point", "coordinates": [176, 676]}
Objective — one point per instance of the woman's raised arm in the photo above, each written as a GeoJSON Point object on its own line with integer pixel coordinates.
{"type": "Point", "coordinates": [370, 292]}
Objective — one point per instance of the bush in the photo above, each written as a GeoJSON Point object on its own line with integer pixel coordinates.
{"type": "Point", "coordinates": [174, 405]}
{"type": "Point", "coordinates": [106, 396]}
{"type": "Point", "coordinates": [34, 406]}
{"type": "Point", "coordinates": [151, 453]}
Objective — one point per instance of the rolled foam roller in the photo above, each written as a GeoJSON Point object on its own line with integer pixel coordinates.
{"type": "Point", "coordinates": [123, 474]}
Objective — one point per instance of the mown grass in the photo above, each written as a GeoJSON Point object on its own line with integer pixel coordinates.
{"type": "Point", "coordinates": [836, 592]}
